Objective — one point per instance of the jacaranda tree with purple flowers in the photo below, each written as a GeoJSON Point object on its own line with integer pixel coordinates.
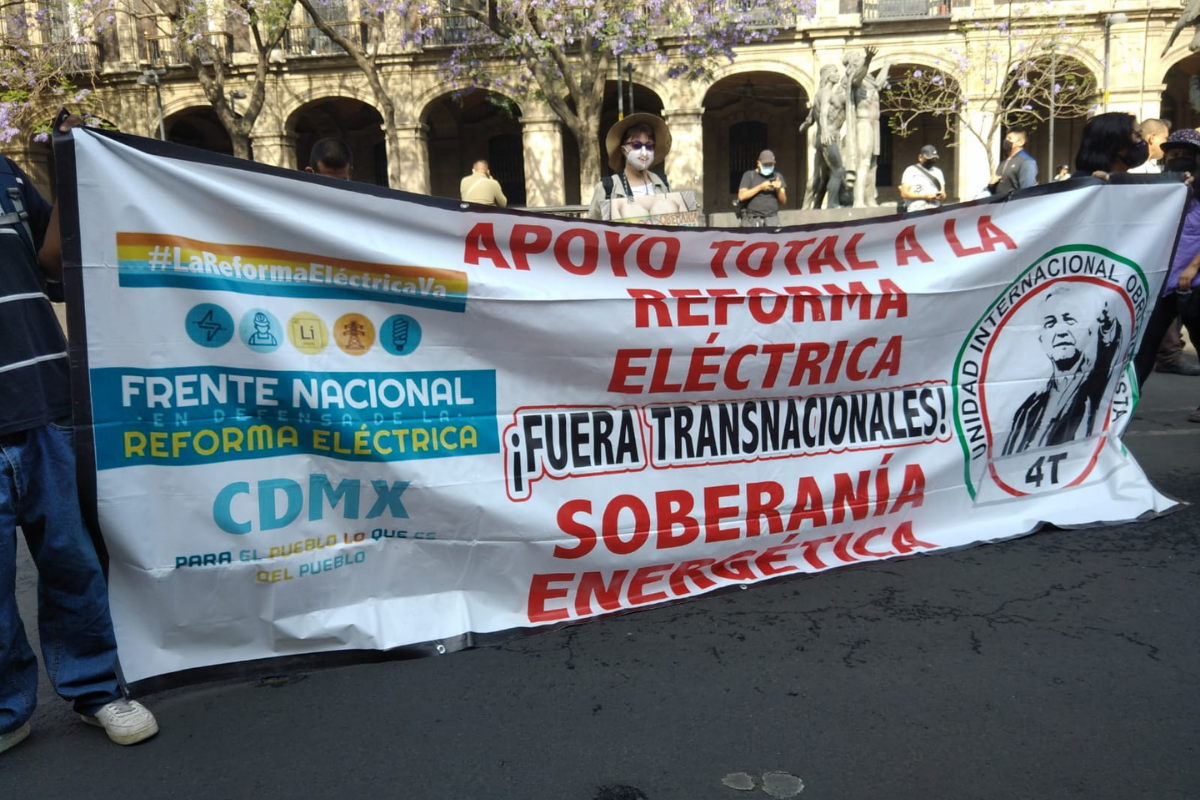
{"type": "Point", "coordinates": [45, 60]}
{"type": "Point", "coordinates": [1016, 69]}
{"type": "Point", "coordinates": [188, 25]}
{"type": "Point", "coordinates": [564, 51]}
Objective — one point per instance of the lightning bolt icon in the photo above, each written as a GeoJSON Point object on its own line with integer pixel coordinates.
{"type": "Point", "coordinates": [207, 323]}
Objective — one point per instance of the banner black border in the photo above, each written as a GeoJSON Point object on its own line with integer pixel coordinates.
{"type": "Point", "coordinates": [68, 209]}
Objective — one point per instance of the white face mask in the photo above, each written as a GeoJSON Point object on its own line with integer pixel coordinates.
{"type": "Point", "coordinates": [640, 159]}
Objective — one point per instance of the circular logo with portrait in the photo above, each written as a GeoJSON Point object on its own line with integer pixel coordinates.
{"type": "Point", "coordinates": [1042, 377]}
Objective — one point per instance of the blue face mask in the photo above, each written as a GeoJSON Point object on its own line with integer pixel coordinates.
{"type": "Point", "coordinates": [767, 171]}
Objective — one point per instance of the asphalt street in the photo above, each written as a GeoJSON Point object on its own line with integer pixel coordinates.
{"type": "Point", "coordinates": [1060, 665]}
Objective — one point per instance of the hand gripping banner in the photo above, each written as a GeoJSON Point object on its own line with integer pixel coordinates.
{"type": "Point", "coordinates": [326, 421]}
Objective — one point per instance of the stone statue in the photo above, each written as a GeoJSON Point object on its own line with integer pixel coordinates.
{"type": "Point", "coordinates": [863, 82]}
{"type": "Point", "coordinates": [1189, 19]}
{"type": "Point", "coordinates": [845, 113]}
{"type": "Point", "coordinates": [828, 176]}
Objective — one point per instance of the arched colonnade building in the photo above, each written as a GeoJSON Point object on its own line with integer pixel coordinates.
{"type": "Point", "coordinates": [718, 125]}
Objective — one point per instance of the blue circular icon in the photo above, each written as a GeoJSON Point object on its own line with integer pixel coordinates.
{"type": "Point", "coordinates": [400, 334]}
{"type": "Point", "coordinates": [260, 330]}
{"type": "Point", "coordinates": [209, 325]}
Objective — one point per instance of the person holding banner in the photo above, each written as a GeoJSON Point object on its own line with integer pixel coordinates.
{"type": "Point", "coordinates": [38, 492]}
{"type": "Point", "coordinates": [636, 143]}
{"type": "Point", "coordinates": [1181, 155]}
{"type": "Point", "coordinates": [1111, 144]}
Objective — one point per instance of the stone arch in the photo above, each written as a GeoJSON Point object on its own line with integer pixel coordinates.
{"type": "Point", "coordinates": [665, 91]}
{"type": "Point", "coordinates": [1052, 139]}
{"type": "Point", "coordinates": [747, 65]}
{"type": "Point", "coordinates": [197, 126]}
{"type": "Point", "coordinates": [424, 101]}
{"type": "Point", "coordinates": [463, 129]}
{"type": "Point", "coordinates": [359, 124]}
{"type": "Point", "coordinates": [107, 116]}
{"type": "Point", "coordinates": [345, 89]}
{"type": "Point", "coordinates": [745, 112]}
{"type": "Point", "coordinates": [1180, 97]}
{"type": "Point", "coordinates": [905, 130]}
{"type": "Point", "coordinates": [175, 101]}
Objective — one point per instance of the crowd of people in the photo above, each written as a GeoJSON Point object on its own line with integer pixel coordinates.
{"type": "Point", "coordinates": [37, 465]}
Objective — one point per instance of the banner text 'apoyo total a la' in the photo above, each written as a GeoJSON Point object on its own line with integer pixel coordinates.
{"type": "Point", "coordinates": [327, 417]}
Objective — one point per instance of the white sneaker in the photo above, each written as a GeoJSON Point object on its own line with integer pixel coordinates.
{"type": "Point", "coordinates": [13, 738]}
{"type": "Point", "coordinates": [125, 721]}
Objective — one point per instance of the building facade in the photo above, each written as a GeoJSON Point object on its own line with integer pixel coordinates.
{"type": "Point", "coordinates": [718, 124]}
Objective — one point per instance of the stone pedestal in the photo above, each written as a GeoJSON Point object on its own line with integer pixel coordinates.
{"type": "Point", "coordinates": [543, 142]}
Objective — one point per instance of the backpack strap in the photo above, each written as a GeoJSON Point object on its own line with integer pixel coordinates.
{"type": "Point", "coordinates": [930, 175]}
{"type": "Point", "coordinates": [18, 217]}
{"type": "Point", "coordinates": [607, 182]}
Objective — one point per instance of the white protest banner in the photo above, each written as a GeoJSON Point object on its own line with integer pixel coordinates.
{"type": "Point", "coordinates": [332, 420]}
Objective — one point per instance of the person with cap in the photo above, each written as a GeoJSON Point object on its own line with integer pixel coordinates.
{"type": "Point", "coordinates": [923, 185]}
{"type": "Point", "coordinates": [634, 145]}
{"type": "Point", "coordinates": [1181, 158]}
{"type": "Point", "coordinates": [761, 193]}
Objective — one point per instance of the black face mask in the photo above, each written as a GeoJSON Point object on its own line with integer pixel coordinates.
{"type": "Point", "coordinates": [1183, 164]}
{"type": "Point", "coordinates": [1136, 154]}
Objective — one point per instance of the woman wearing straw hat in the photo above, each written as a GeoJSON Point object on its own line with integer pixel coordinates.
{"type": "Point", "coordinates": [634, 144]}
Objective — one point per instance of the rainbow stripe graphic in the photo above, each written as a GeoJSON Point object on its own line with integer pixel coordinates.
{"type": "Point", "coordinates": [155, 260]}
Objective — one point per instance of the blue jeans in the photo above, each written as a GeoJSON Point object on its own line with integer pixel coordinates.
{"type": "Point", "coordinates": [38, 493]}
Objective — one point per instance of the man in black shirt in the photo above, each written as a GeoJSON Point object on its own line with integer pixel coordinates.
{"type": "Point", "coordinates": [38, 493]}
{"type": "Point", "coordinates": [1019, 170]}
{"type": "Point", "coordinates": [761, 193]}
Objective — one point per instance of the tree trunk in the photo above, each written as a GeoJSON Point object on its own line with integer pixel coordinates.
{"type": "Point", "coordinates": [371, 71]}
{"type": "Point", "coordinates": [592, 166]}
{"type": "Point", "coordinates": [393, 159]}
{"type": "Point", "coordinates": [241, 145]}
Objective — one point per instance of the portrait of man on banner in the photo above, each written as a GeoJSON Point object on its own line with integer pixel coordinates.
{"type": "Point", "coordinates": [1081, 339]}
